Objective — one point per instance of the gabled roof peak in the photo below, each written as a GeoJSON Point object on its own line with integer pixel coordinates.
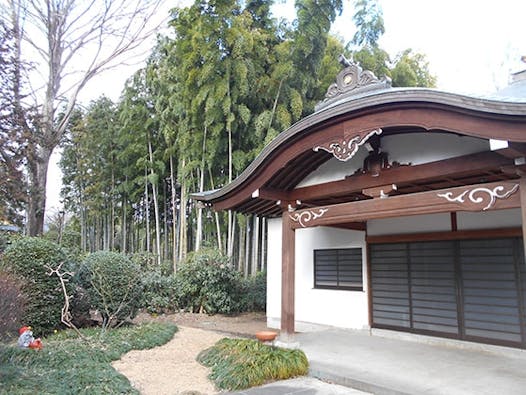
{"type": "Point", "coordinates": [351, 81]}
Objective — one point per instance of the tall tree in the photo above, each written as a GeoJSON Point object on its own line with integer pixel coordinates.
{"type": "Point", "coordinates": [369, 21]}
{"type": "Point", "coordinates": [69, 42]}
{"type": "Point", "coordinates": [314, 19]}
{"type": "Point", "coordinates": [412, 69]}
{"type": "Point", "coordinates": [407, 69]}
{"type": "Point", "coordinates": [12, 140]}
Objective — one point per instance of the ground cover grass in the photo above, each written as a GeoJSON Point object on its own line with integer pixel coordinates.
{"type": "Point", "coordinates": [70, 365]}
{"type": "Point", "coordinates": [243, 363]}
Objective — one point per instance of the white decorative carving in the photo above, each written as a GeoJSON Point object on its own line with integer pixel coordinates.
{"type": "Point", "coordinates": [306, 216]}
{"type": "Point", "coordinates": [344, 150]}
{"type": "Point", "coordinates": [484, 194]}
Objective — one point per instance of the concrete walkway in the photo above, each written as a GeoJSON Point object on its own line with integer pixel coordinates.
{"type": "Point", "coordinates": [392, 366]}
{"type": "Point", "coordinates": [299, 386]}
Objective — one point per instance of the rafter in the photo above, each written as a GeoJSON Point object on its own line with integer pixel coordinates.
{"type": "Point", "coordinates": [447, 168]}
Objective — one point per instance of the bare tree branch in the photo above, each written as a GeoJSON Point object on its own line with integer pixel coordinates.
{"type": "Point", "coordinates": [69, 42]}
{"type": "Point", "coordinates": [66, 316]}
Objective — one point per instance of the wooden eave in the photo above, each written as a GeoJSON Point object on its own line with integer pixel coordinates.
{"type": "Point", "coordinates": [267, 185]}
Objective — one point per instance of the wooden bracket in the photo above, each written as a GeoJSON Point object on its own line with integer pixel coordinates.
{"type": "Point", "coordinates": [382, 191]}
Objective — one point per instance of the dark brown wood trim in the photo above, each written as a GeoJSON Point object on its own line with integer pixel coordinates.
{"type": "Point", "coordinates": [514, 150]}
{"type": "Point", "coordinates": [479, 197]}
{"type": "Point", "coordinates": [478, 162]}
{"type": "Point", "coordinates": [361, 226]}
{"type": "Point", "coordinates": [417, 110]}
{"type": "Point", "coordinates": [270, 194]}
{"type": "Point", "coordinates": [287, 275]}
{"type": "Point", "coordinates": [436, 236]}
{"type": "Point", "coordinates": [453, 217]}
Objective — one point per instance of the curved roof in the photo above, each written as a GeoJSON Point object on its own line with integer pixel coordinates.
{"type": "Point", "coordinates": [289, 158]}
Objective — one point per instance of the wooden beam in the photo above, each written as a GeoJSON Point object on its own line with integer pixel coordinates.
{"type": "Point", "coordinates": [479, 197]}
{"type": "Point", "coordinates": [517, 170]}
{"type": "Point", "coordinates": [514, 150]}
{"type": "Point", "coordinates": [382, 191]}
{"type": "Point", "coordinates": [453, 217]}
{"type": "Point", "coordinates": [270, 194]}
{"type": "Point", "coordinates": [361, 226]}
{"type": "Point", "coordinates": [404, 174]}
{"type": "Point", "coordinates": [287, 275]}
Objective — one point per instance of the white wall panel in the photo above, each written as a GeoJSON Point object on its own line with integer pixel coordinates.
{"type": "Point", "coordinates": [315, 307]}
{"type": "Point", "coordinates": [489, 219]}
{"type": "Point", "coordinates": [410, 224]}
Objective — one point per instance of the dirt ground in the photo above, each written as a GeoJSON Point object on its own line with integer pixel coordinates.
{"type": "Point", "coordinates": [246, 324]}
{"type": "Point", "coordinates": [171, 369]}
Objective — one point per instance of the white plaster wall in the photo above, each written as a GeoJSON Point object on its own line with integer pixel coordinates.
{"type": "Point", "coordinates": [315, 308]}
{"type": "Point", "coordinates": [274, 272]}
{"type": "Point", "coordinates": [489, 219]}
{"type": "Point", "coordinates": [418, 148]}
{"type": "Point", "coordinates": [442, 222]}
{"type": "Point", "coordinates": [410, 224]}
{"type": "Point", "coordinates": [414, 148]}
{"type": "Point", "coordinates": [335, 169]}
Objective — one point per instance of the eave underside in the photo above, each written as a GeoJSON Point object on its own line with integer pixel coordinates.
{"type": "Point", "coordinates": [280, 191]}
{"type": "Point", "coordinates": [269, 185]}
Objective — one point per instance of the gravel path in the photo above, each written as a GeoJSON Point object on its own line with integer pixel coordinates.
{"type": "Point", "coordinates": [171, 369]}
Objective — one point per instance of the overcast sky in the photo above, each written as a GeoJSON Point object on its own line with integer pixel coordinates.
{"type": "Point", "coordinates": [472, 46]}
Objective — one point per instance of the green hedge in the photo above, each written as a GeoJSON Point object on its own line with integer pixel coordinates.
{"type": "Point", "coordinates": [30, 259]}
{"type": "Point", "coordinates": [255, 292]}
{"type": "Point", "coordinates": [206, 283]}
{"type": "Point", "coordinates": [113, 283]}
{"type": "Point", "coordinates": [159, 292]}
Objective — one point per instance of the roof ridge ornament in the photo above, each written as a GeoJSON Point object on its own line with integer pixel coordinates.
{"type": "Point", "coordinates": [350, 81]}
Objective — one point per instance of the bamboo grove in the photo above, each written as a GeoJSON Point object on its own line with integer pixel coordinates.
{"type": "Point", "coordinates": [226, 81]}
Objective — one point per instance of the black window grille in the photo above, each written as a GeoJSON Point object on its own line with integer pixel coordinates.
{"type": "Point", "coordinates": [338, 269]}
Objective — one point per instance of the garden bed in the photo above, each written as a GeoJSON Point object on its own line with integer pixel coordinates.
{"type": "Point", "coordinates": [172, 368]}
{"type": "Point", "coordinates": [244, 324]}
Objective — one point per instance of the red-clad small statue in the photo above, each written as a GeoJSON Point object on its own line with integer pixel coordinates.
{"type": "Point", "coordinates": [26, 339]}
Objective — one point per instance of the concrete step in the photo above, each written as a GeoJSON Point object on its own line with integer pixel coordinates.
{"type": "Point", "coordinates": [356, 380]}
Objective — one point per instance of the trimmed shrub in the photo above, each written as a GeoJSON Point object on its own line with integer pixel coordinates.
{"type": "Point", "coordinates": [255, 292]}
{"type": "Point", "coordinates": [30, 259]}
{"type": "Point", "coordinates": [238, 364]}
{"type": "Point", "coordinates": [159, 293]}
{"type": "Point", "coordinates": [11, 306]}
{"type": "Point", "coordinates": [205, 283]}
{"type": "Point", "coordinates": [113, 283]}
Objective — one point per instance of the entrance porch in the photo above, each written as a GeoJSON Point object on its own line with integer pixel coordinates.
{"type": "Point", "coordinates": [423, 365]}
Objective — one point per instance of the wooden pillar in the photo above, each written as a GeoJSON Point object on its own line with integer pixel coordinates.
{"type": "Point", "coordinates": [522, 190]}
{"type": "Point", "coordinates": [287, 275]}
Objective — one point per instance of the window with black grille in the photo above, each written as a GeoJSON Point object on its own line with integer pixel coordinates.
{"type": "Point", "coordinates": [338, 269]}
